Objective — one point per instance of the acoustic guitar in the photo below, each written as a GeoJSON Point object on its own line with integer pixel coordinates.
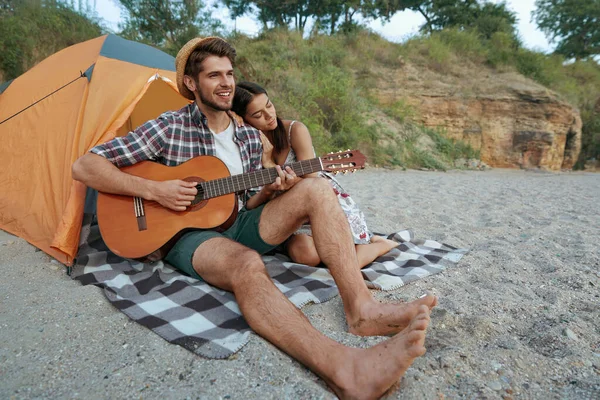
{"type": "Point", "coordinates": [136, 228]}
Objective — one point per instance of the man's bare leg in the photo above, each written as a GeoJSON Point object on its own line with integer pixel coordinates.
{"type": "Point", "coordinates": [313, 200]}
{"type": "Point", "coordinates": [352, 373]}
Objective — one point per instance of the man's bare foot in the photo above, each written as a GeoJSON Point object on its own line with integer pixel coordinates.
{"type": "Point", "coordinates": [373, 371]}
{"type": "Point", "coordinates": [378, 319]}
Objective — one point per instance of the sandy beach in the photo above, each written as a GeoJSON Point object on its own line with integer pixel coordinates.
{"type": "Point", "coordinates": [519, 317]}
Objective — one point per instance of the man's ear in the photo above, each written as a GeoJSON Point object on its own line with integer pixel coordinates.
{"type": "Point", "coordinates": [189, 83]}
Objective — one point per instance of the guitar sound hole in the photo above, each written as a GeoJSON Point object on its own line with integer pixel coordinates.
{"type": "Point", "coordinates": [200, 196]}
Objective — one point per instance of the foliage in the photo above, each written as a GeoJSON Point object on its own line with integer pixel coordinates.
{"type": "Point", "coordinates": [31, 30]}
{"type": "Point", "coordinates": [278, 14]}
{"type": "Point", "coordinates": [329, 16]}
{"type": "Point", "coordinates": [485, 17]}
{"type": "Point", "coordinates": [442, 50]}
{"type": "Point", "coordinates": [309, 80]}
{"type": "Point", "coordinates": [329, 82]}
{"type": "Point", "coordinates": [451, 149]}
{"type": "Point", "coordinates": [167, 24]}
{"type": "Point", "coordinates": [573, 24]}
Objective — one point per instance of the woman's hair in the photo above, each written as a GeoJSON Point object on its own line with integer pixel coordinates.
{"type": "Point", "coordinates": [244, 93]}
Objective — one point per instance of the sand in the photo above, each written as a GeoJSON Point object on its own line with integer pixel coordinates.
{"type": "Point", "coordinates": [519, 316]}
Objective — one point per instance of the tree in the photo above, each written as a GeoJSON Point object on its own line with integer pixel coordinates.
{"type": "Point", "coordinates": [331, 14]}
{"type": "Point", "coordinates": [386, 9]}
{"type": "Point", "coordinates": [339, 15]}
{"type": "Point", "coordinates": [31, 30]}
{"type": "Point", "coordinates": [485, 17]}
{"type": "Point", "coordinates": [573, 24]}
{"type": "Point", "coordinates": [274, 14]}
{"type": "Point", "coordinates": [167, 24]}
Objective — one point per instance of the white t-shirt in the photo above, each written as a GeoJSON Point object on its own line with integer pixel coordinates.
{"type": "Point", "coordinates": [228, 151]}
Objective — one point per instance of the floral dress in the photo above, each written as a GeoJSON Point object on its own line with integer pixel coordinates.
{"type": "Point", "coordinates": [356, 219]}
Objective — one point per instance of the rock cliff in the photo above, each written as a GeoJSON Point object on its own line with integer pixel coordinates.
{"type": "Point", "coordinates": [511, 120]}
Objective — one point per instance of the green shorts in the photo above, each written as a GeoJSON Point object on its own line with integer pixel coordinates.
{"type": "Point", "coordinates": [244, 231]}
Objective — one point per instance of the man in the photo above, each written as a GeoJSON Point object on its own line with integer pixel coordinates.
{"type": "Point", "coordinates": [231, 260]}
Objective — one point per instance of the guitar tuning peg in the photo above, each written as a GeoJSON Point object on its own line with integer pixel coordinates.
{"type": "Point", "coordinates": [336, 172]}
{"type": "Point", "coordinates": [345, 172]}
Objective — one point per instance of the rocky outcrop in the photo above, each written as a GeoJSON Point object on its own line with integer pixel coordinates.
{"type": "Point", "coordinates": [524, 130]}
{"type": "Point", "coordinates": [512, 121]}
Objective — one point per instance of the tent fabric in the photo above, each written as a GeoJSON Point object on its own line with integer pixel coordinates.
{"type": "Point", "coordinates": [122, 84]}
{"type": "Point", "coordinates": [5, 85]}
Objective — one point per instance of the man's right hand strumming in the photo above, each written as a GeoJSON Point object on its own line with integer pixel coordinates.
{"type": "Point", "coordinates": [176, 195]}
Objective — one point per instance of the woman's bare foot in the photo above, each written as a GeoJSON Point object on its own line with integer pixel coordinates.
{"type": "Point", "coordinates": [390, 244]}
{"type": "Point", "coordinates": [373, 371]}
{"type": "Point", "coordinates": [379, 319]}
{"type": "Point", "coordinates": [367, 253]}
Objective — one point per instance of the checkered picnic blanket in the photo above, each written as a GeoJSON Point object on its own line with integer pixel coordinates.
{"type": "Point", "coordinates": [207, 320]}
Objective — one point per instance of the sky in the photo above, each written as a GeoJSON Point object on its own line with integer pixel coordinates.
{"type": "Point", "coordinates": [401, 26]}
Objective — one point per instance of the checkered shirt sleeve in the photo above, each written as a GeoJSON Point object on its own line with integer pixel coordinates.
{"type": "Point", "coordinates": [144, 143]}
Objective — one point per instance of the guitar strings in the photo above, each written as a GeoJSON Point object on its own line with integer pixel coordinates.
{"type": "Point", "coordinates": [236, 183]}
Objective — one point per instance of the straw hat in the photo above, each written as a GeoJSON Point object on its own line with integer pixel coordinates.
{"type": "Point", "coordinates": [181, 61]}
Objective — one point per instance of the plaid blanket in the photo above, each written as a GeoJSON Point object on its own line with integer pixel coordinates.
{"type": "Point", "coordinates": [207, 320]}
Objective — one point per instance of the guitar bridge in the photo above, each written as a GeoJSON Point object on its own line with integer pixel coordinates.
{"type": "Point", "coordinates": [140, 215]}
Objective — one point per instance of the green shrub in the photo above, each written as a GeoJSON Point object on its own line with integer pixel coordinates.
{"type": "Point", "coordinates": [466, 44]}
{"type": "Point", "coordinates": [502, 49]}
{"type": "Point", "coordinates": [400, 110]}
{"type": "Point", "coordinates": [450, 149]}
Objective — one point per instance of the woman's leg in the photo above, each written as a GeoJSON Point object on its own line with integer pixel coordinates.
{"type": "Point", "coordinates": [367, 253]}
{"type": "Point", "coordinates": [301, 249]}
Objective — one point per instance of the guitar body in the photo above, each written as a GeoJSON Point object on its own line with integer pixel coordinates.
{"type": "Point", "coordinates": [135, 228]}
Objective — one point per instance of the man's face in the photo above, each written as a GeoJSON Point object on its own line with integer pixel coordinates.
{"type": "Point", "coordinates": [215, 83]}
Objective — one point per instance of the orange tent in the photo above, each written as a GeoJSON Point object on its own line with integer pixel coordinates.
{"type": "Point", "coordinates": [75, 99]}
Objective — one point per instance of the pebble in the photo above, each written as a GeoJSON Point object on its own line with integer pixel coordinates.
{"type": "Point", "coordinates": [570, 334]}
{"type": "Point", "coordinates": [495, 385]}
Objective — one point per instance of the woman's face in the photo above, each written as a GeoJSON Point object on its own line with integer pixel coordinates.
{"type": "Point", "coordinates": [260, 113]}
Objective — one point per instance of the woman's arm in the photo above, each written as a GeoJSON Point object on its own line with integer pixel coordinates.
{"type": "Point", "coordinates": [267, 155]}
{"type": "Point", "coordinates": [301, 143]}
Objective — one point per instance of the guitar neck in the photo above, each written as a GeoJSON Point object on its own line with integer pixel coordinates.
{"type": "Point", "coordinates": [237, 183]}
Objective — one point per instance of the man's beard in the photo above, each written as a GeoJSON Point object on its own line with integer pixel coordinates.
{"type": "Point", "coordinates": [212, 104]}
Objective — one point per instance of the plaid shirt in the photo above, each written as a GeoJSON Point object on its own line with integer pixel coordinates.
{"type": "Point", "coordinates": [177, 136]}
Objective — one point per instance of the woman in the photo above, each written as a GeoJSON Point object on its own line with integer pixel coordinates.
{"type": "Point", "coordinates": [286, 141]}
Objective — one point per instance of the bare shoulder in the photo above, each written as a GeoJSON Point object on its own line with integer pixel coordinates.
{"type": "Point", "coordinates": [301, 142]}
{"type": "Point", "coordinates": [300, 132]}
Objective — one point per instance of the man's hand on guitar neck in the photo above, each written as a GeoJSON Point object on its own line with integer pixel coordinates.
{"type": "Point", "coordinates": [176, 195]}
{"type": "Point", "coordinates": [285, 181]}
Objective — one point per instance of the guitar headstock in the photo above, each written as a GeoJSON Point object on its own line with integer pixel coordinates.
{"type": "Point", "coordinates": [343, 161]}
